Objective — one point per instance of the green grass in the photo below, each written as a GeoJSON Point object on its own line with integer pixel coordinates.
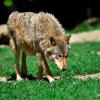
{"type": "Point", "coordinates": [84, 27]}
{"type": "Point", "coordinates": [83, 59]}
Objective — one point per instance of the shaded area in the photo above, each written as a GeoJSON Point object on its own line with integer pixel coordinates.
{"type": "Point", "coordinates": [70, 12]}
{"type": "Point", "coordinates": [28, 76]}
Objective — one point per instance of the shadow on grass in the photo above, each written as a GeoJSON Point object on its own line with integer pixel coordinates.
{"type": "Point", "coordinates": [29, 77]}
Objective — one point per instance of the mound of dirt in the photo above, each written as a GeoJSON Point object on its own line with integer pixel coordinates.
{"type": "Point", "coordinates": [4, 38]}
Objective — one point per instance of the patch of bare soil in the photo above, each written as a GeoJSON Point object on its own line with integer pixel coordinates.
{"type": "Point", "coordinates": [84, 77]}
{"type": "Point", "coordinates": [85, 36]}
{"type": "Point", "coordinates": [3, 79]}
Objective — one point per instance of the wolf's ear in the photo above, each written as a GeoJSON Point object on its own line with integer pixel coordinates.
{"type": "Point", "coordinates": [52, 41]}
{"type": "Point", "coordinates": [47, 42]}
{"type": "Point", "coordinates": [67, 38]}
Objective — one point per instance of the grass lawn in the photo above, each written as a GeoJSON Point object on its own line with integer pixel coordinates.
{"type": "Point", "coordinates": [83, 58]}
{"type": "Point", "coordinates": [84, 26]}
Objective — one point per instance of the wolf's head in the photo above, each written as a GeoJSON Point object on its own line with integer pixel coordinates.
{"type": "Point", "coordinates": [57, 49]}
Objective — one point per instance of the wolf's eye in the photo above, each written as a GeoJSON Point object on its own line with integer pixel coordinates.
{"type": "Point", "coordinates": [59, 56]}
{"type": "Point", "coordinates": [66, 55]}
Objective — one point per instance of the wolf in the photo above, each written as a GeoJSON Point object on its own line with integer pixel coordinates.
{"type": "Point", "coordinates": [38, 34]}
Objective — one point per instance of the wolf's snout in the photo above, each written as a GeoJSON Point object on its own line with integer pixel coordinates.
{"type": "Point", "coordinates": [63, 68]}
{"type": "Point", "coordinates": [61, 64]}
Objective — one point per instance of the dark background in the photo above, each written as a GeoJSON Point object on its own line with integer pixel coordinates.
{"type": "Point", "coordinates": [68, 12]}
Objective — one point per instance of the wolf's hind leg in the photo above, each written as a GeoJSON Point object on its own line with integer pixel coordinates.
{"type": "Point", "coordinates": [23, 67]}
{"type": "Point", "coordinates": [16, 51]}
{"type": "Point", "coordinates": [18, 74]}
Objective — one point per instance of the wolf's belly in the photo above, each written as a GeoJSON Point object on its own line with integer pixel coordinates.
{"type": "Point", "coordinates": [28, 47]}
{"type": "Point", "coordinates": [30, 52]}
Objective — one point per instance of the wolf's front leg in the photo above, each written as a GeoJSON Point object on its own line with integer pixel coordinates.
{"type": "Point", "coordinates": [45, 67]}
{"type": "Point", "coordinates": [24, 67]}
{"type": "Point", "coordinates": [40, 72]}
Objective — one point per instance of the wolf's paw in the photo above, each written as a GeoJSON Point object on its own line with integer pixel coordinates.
{"type": "Point", "coordinates": [19, 78]}
{"type": "Point", "coordinates": [50, 78]}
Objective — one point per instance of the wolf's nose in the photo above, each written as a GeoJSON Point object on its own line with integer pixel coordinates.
{"type": "Point", "coordinates": [63, 69]}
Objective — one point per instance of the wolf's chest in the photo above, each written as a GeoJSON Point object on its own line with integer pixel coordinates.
{"type": "Point", "coordinates": [28, 48]}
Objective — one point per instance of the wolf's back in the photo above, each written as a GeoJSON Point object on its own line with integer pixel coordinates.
{"type": "Point", "coordinates": [43, 25]}
{"type": "Point", "coordinates": [30, 29]}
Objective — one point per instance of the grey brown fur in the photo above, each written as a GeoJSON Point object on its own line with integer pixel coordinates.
{"type": "Point", "coordinates": [33, 33]}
